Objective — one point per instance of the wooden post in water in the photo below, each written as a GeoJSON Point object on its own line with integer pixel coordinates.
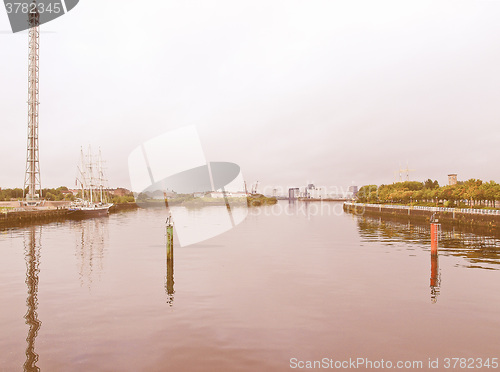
{"type": "Point", "coordinates": [170, 241]}
{"type": "Point", "coordinates": [170, 260]}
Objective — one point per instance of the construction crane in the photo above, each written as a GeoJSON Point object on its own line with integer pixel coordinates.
{"type": "Point", "coordinates": [32, 180]}
{"type": "Point", "coordinates": [254, 188]}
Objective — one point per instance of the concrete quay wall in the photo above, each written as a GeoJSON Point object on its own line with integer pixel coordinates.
{"type": "Point", "coordinates": [452, 216]}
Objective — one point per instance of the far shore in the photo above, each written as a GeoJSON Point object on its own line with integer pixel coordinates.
{"type": "Point", "coordinates": [323, 199]}
{"type": "Point", "coordinates": [48, 204]}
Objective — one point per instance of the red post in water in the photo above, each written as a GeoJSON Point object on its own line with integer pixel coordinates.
{"type": "Point", "coordinates": [434, 238]}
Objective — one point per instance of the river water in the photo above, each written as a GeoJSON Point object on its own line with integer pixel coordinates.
{"type": "Point", "coordinates": [290, 284]}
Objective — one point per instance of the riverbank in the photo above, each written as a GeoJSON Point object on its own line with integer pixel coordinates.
{"type": "Point", "coordinates": [321, 199]}
{"type": "Point", "coordinates": [11, 214]}
{"type": "Point", "coordinates": [489, 219]}
{"type": "Point", "coordinates": [122, 207]}
{"type": "Point", "coordinates": [253, 200]}
{"type": "Point", "coordinates": [256, 200]}
{"type": "Point", "coordinates": [35, 215]}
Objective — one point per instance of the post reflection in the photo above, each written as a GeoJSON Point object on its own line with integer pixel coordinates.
{"type": "Point", "coordinates": [32, 257]}
{"type": "Point", "coordinates": [435, 278]}
{"type": "Point", "coordinates": [473, 246]}
{"type": "Point", "coordinates": [169, 285]}
{"type": "Point", "coordinates": [476, 248]}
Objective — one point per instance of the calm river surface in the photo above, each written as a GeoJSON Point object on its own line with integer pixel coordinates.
{"type": "Point", "coordinates": [289, 282]}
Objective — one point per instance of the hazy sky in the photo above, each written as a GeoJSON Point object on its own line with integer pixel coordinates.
{"type": "Point", "coordinates": [330, 92]}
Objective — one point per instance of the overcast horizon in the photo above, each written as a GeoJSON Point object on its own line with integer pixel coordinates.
{"type": "Point", "coordinates": [335, 93]}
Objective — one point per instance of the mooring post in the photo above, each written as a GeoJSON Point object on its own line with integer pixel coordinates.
{"type": "Point", "coordinates": [434, 235]}
{"type": "Point", "coordinates": [170, 238]}
{"type": "Point", "coordinates": [169, 286]}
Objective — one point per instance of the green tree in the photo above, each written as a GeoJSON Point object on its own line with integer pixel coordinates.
{"type": "Point", "coordinates": [429, 184]}
{"type": "Point", "coordinates": [365, 193]}
{"type": "Point", "coordinates": [473, 191]}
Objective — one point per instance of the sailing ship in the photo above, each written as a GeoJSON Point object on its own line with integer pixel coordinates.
{"type": "Point", "coordinates": [93, 200]}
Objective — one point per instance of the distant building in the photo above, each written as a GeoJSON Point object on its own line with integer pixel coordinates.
{"type": "Point", "coordinates": [353, 190]}
{"type": "Point", "coordinates": [313, 192]}
{"type": "Point", "coordinates": [317, 193]}
{"type": "Point", "coordinates": [120, 191]}
{"type": "Point", "coordinates": [293, 193]}
{"type": "Point", "coordinates": [74, 191]}
{"type": "Point", "coordinates": [68, 192]}
{"type": "Point", "coordinates": [452, 179]}
{"type": "Point", "coordinates": [157, 195]}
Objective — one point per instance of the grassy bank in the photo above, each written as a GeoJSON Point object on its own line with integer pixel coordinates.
{"type": "Point", "coordinates": [256, 200]}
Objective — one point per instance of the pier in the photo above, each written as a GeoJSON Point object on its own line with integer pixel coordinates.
{"type": "Point", "coordinates": [488, 218]}
{"type": "Point", "coordinates": [54, 211]}
{"type": "Point", "coordinates": [21, 216]}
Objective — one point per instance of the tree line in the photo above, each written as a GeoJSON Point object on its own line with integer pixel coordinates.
{"type": "Point", "coordinates": [59, 194]}
{"type": "Point", "coordinates": [472, 193]}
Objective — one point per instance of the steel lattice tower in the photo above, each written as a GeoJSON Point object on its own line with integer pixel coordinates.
{"type": "Point", "coordinates": [32, 180]}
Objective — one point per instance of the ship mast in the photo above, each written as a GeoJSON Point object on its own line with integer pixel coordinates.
{"type": "Point", "coordinates": [32, 178]}
{"type": "Point", "coordinates": [91, 175]}
{"type": "Point", "coordinates": [81, 176]}
{"type": "Point", "coordinates": [101, 175]}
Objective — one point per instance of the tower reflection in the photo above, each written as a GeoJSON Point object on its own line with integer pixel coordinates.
{"type": "Point", "coordinates": [32, 257]}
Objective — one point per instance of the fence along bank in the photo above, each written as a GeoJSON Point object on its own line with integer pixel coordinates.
{"type": "Point", "coordinates": [453, 216]}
